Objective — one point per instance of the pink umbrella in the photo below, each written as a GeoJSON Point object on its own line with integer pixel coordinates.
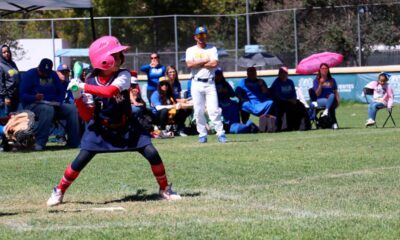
{"type": "Point", "coordinates": [311, 64]}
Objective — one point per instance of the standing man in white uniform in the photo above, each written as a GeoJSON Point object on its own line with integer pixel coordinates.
{"type": "Point", "coordinates": [202, 59]}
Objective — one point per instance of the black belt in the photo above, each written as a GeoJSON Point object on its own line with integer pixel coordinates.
{"type": "Point", "coordinates": [204, 79]}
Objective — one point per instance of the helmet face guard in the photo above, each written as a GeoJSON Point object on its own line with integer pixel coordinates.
{"type": "Point", "coordinates": [101, 51]}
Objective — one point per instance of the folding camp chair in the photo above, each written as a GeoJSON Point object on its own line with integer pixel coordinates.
{"type": "Point", "coordinates": [368, 92]}
{"type": "Point", "coordinates": [315, 111]}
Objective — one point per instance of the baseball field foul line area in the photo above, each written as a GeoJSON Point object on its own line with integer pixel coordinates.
{"type": "Point", "coordinates": [318, 184]}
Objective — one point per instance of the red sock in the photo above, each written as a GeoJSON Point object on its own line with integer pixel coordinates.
{"type": "Point", "coordinates": [69, 176]}
{"type": "Point", "coordinates": [159, 173]}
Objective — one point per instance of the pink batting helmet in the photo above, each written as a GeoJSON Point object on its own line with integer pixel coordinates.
{"type": "Point", "coordinates": [100, 52]}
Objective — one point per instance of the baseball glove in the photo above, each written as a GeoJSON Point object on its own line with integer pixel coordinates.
{"type": "Point", "coordinates": [19, 129]}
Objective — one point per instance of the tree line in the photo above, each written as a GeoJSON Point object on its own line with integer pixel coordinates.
{"type": "Point", "coordinates": [320, 25]}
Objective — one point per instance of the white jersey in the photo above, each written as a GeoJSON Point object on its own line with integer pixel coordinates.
{"type": "Point", "coordinates": [122, 81]}
{"type": "Point", "coordinates": [196, 53]}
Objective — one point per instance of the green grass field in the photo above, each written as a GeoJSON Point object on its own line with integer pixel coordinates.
{"type": "Point", "coordinates": [320, 184]}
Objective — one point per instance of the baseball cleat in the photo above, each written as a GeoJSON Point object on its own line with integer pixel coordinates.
{"type": "Point", "coordinates": [169, 194]}
{"type": "Point", "coordinates": [56, 198]}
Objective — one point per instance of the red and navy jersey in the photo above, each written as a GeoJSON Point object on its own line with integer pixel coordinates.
{"type": "Point", "coordinates": [113, 112]}
{"type": "Point", "coordinates": [112, 127]}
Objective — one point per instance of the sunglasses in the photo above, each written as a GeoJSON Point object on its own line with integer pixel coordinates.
{"type": "Point", "coordinates": [202, 35]}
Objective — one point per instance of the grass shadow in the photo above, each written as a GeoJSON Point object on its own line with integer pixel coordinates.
{"type": "Point", "coordinates": [2, 214]}
{"type": "Point", "coordinates": [141, 196]}
{"type": "Point", "coordinates": [196, 194]}
{"type": "Point", "coordinates": [249, 140]}
{"type": "Point", "coordinates": [84, 202]}
{"type": "Point", "coordinates": [48, 148]}
{"type": "Point", "coordinates": [52, 148]}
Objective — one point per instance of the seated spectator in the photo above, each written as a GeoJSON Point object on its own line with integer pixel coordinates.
{"type": "Point", "coordinates": [63, 72]}
{"type": "Point", "coordinates": [230, 108]}
{"type": "Point", "coordinates": [283, 92]}
{"type": "Point", "coordinates": [172, 77]}
{"type": "Point", "coordinates": [41, 92]}
{"type": "Point", "coordinates": [139, 110]}
{"type": "Point", "coordinates": [189, 90]}
{"type": "Point", "coordinates": [167, 110]}
{"type": "Point", "coordinates": [382, 97]}
{"type": "Point", "coordinates": [137, 102]}
{"type": "Point", "coordinates": [3, 122]}
{"type": "Point", "coordinates": [253, 95]}
{"type": "Point", "coordinates": [325, 94]}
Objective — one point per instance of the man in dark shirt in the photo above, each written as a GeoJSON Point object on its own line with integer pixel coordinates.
{"type": "Point", "coordinates": [42, 92]}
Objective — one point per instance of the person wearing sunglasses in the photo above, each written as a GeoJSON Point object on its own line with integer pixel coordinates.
{"type": "Point", "coordinates": [202, 59]}
{"type": "Point", "coordinates": [154, 70]}
{"type": "Point", "coordinates": [324, 93]}
{"type": "Point", "coordinates": [167, 110]}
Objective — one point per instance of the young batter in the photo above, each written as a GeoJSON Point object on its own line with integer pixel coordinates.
{"type": "Point", "coordinates": [105, 106]}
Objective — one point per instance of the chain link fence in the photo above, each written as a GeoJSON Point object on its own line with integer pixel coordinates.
{"type": "Point", "coordinates": [366, 35]}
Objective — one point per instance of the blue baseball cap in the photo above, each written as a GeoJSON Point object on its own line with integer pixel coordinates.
{"type": "Point", "coordinates": [218, 71]}
{"type": "Point", "coordinates": [200, 30]}
{"type": "Point", "coordinates": [63, 67]}
{"type": "Point", "coordinates": [46, 66]}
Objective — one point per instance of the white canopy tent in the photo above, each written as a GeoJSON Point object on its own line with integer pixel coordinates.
{"type": "Point", "coordinates": [31, 5]}
{"type": "Point", "coordinates": [24, 6]}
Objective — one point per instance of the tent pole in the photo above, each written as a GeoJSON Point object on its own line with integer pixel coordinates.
{"type": "Point", "coordinates": [92, 24]}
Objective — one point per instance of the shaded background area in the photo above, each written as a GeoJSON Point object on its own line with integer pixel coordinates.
{"type": "Point", "coordinates": [367, 33]}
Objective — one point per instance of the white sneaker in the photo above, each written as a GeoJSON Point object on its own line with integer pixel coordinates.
{"type": "Point", "coordinates": [325, 113]}
{"type": "Point", "coordinates": [55, 198]}
{"type": "Point", "coordinates": [315, 104]}
{"type": "Point", "coordinates": [166, 134]}
{"type": "Point", "coordinates": [169, 194]}
{"type": "Point", "coordinates": [335, 126]}
{"type": "Point", "coordinates": [370, 122]}
{"type": "Point", "coordinates": [182, 133]}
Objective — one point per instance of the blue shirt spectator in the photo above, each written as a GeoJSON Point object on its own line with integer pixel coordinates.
{"type": "Point", "coordinates": [41, 92]}
{"type": "Point", "coordinates": [64, 72]}
{"type": "Point", "coordinates": [41, 84]}
{"type": "Point", "coordinates": [253, 94]}
{"type": "Point", "coordinates": [290, 112]}
{"type": "Point", "coordinates": [154, 71]}
{"type": "Point", "coordinates": [283, 90]}
{"type": "Point", "coordinates": [189, 91]}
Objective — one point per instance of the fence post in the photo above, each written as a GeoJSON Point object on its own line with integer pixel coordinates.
{"type": "Point", "coordinates": [236, 43]}
{"type": "Point", "coordinates": [137, 59]}
{"type": "Point", "coordinates": [109, 27]}
{"type": "Point", "coordinates": [360, 10]}
{"type": "Point", "coordinates": [176, 43]}
{"type": "Point", "coordinates": [247, 22]}
{"type": "Point", "coordinates": [296, 54]}
{"type": "Point", "coordinates": [54, 44]}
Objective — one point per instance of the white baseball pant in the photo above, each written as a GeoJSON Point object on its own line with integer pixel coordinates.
{"type": "Point", "coordinates": [204, 94]}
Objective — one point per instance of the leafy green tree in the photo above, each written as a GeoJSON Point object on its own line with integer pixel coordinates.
{"type": "Point", "coordinates": [326, 26]}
